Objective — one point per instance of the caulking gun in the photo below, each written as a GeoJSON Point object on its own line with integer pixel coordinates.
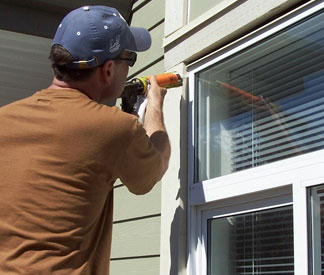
{"type": "Point", "coordinates": [138, 86]}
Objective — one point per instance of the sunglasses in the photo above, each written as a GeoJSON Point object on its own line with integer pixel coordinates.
{"type": "Point", "coordinates": [130, 60]}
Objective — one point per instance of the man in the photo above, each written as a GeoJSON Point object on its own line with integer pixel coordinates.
{"type": "Point", "coordinates": [61, 150]}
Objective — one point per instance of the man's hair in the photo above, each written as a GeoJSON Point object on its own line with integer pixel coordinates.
{"type": "Point", "coordinates": [59, 58]}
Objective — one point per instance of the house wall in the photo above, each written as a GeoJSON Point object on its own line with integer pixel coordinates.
{"type": "Point", "coordinates": [137, 219]}
{"type": "Point", "coordinates": [184, 43]}
{"type": "Point", "coordinates": [24, 65]}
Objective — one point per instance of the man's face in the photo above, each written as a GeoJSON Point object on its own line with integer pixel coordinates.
{"type": "Point", "coordinates": [122, 63]}
{"type": "Point", "coordinates": [122, 66]}
{"type": "Point", "coordinates": [118, 77]}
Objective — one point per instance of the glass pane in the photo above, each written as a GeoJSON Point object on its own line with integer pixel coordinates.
{"type": "Point", "coordinates": [263, 104]}
{"type": "Point", "coordinates": [255, 243]}
{"type": "Point", "coordinates": [317, 229]}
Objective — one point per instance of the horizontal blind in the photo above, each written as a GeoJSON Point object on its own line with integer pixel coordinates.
{"type": "Point", "coordinates": [286, 112]}
{"type": "Point", "coordinates": [259, 243]}
{"type": "Point", "coordinates": [264, 243]}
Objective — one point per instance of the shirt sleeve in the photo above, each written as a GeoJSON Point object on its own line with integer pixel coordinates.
{"type": "Point", "coordinates": [141, 164]}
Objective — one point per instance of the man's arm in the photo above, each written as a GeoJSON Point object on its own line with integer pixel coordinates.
{"type": "Point", "coordinates": [154, 124]}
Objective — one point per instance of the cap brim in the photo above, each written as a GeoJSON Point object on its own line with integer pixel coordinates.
{"type": "Point", "coordinates": [141, 39]}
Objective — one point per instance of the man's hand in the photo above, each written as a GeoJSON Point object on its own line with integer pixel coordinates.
{"type": "Point", "coordinates": [155, 93]}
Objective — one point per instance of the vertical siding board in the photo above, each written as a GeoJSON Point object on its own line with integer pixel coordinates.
{"type": "Point", "coordinates": [136, 238]}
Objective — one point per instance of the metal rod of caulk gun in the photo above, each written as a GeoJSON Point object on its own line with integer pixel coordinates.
{"type": "Point", "coordinates": [239, 91]}
{"type": "Point", "coordinates": [271, 107]}
{"type": "Point", "coordinates": [263, 103]}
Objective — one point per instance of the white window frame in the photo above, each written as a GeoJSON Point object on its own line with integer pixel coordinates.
{"type": "Point", "coordinates": [298, 173]}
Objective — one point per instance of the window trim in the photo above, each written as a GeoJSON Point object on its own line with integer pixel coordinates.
{"type": "Point", "coordinates": [299, 172]}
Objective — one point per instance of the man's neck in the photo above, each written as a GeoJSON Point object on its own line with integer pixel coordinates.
{"type": "Point", "coordinates": [58, 85]}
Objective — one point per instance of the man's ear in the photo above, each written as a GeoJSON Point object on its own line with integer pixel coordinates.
{"type": "Point", "coordinates": [107, 71]}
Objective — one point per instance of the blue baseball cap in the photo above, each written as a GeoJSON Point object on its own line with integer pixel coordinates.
{"type": "Point", "coordinates": [95, 34]}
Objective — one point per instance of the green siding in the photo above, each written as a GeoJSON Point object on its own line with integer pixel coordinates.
{"type": "Point", "coordinates": [139, 3]}
{"type": "Point", "coordinates": [156, 68]}
{"type": "Point", "coordinates": [151, 15]}
{"type": "Point", "coordinates": [136, 238]}
{"type": "Point", "coordinates": [24, 66]}
{"type": "Point", "coordinates": [154, 54]}
{"type": "Point", "coordinates": [132, 206]}
{"type": "Point", "coordinates": [145, 266]}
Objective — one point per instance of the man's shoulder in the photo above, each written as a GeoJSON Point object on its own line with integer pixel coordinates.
{"type": "Point", "coordinates": [113, 113]}
{"type": "Point", "coordinates": [107, 119]}
{"type": "Point", "coordinates": [14, 104]}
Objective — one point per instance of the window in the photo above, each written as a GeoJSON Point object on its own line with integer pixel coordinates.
{"type": "Point", "coordinates": [254, 243]}
{"type": "Point", "coordinates": [256, 118]}
{"type": "Point", "coordinates": [262, 104]}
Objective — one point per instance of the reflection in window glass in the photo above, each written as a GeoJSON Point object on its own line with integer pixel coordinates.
{"type": "Point", "coordinates": [317, 229]}
{"type": "Point", "coordinates": [263, 104]}
{"type": "Point", "coordinates": [255, 243]}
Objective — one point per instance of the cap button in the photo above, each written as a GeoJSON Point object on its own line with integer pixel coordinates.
{"type": "Point", "coordinates": [86, 8]}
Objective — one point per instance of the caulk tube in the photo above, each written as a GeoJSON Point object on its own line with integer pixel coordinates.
{"type": "Point", "coordinates": [140, 85]}
{"type": "Point", "coordinates": [167, 80]}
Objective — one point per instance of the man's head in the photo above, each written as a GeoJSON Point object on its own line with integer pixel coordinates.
{"type": "Point", "coordinates": [94, 34]}
{"type": "Point", "coordinates": [90, 36]}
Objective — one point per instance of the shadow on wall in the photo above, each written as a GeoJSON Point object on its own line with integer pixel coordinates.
{"type": "Point", "coordinates": [178, 242]}
{"type": "Point", "coordinates": [178, 234]}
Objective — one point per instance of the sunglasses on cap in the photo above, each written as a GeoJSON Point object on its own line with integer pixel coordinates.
{"type": "Point", "coordinates": [130, 60]}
